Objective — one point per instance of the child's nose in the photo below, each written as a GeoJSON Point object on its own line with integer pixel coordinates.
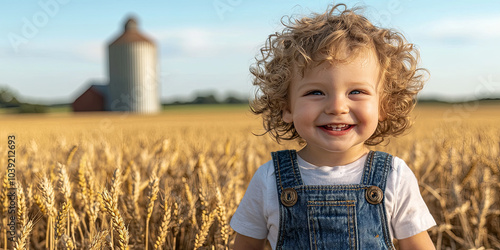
{"type": "Point", "coordinates": [336, 106]}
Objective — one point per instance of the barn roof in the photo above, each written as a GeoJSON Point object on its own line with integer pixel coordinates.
{"type": "Point", "coordinates": [101, 89]}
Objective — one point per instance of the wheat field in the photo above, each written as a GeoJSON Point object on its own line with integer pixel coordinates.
{"type": "Point", "coordinates": [173, 180]}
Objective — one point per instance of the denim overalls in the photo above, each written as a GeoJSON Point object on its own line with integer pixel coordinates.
{"type": "Point", "coordinates": [332, 217]}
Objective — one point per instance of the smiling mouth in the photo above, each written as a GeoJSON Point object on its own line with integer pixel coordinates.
{"type": "Point", "coordinates": [337, 127]}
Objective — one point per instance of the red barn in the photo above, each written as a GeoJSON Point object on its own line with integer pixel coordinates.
{"type": "Point", "coordinates": [93, 99]}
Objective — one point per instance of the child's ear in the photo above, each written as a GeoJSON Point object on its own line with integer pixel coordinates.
{"type": "Point", "coordinates": [286, 116]}
{"type": "Point", "coordinates": [382, 116]}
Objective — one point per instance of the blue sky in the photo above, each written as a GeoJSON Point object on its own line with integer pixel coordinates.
{"type": "Point", "coordinates": [50, 50]}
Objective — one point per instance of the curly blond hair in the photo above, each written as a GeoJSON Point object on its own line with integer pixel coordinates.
{"type": "Point", "coordinates": [336, 36]}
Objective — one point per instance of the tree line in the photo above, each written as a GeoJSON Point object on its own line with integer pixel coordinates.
{"type": "Point", "coordinates": [9, 101]}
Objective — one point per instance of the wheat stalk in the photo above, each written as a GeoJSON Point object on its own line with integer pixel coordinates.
{"type": "Point", "coordinates": [29, 196]}
{"type": "Point", "coordinates": [116, 218]}
{"type": "Point", "coordinates": [153, 194]}
{"type": "Point", "coordinates": [82, 183]}
{"type": "Point", "coordinates": [190, 201]}
{"type": "Point", "coordinates": [176, 218]}
{"type": "Point", "coordinates": [116, 182]}
{"type": "Point", "coordinates": [222, 217]}
{"type": "Point", "coordinates": [488, 200]}
{"type": "Point", "coordinates": [39, 202]}
{"type": "Point", "coordinates": [98, 240]}
{"type": "Point", "coordinates": [21, 242]}
{"type": "Point", "coordinates": [3, 194]}
{"type": "Point", "coordinates": [71, 154]}
{"type": "Point", "coordinates": [164, 224]}
{"type": "Point", "coordinates": [93, 202]}
{"type": "Point", "coordinates": [47, 192]}
{"type": "Point", "coordinates": [21, 206]}
{"type": "Point", "coordinates": [66, 242]}
{"type": "Point", "coordinates": [65, 189]}
{"type": "Point", "coordinates": [201, 236]}
{"type": "Point", "coordinates": [64, 182]}
{"type": "Point", "coordinates": [132, 203]}
{"type": "Point", "coordinates": [62, 220]}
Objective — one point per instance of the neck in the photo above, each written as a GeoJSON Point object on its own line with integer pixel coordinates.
{"type": "Point", "coordinates": [331, 158]}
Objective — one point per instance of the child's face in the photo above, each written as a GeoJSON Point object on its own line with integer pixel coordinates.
{"type": "Point", "coordinates": [335, 109]}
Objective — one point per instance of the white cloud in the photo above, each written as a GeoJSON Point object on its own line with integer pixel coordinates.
{"type": "Point", "coordinates": [92, 50]}
{"type": "Point", "coordinates": [182, 42]}
{"type": "Point", "coordinates": [471, 29]}
{"type": "Point", "coordinates": [208, 42]}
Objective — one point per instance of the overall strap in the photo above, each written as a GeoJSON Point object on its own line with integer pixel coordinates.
{"type": "Point", "coordinates": [286, 169]}
{"type": "Point", "coordinates": [377, 166]}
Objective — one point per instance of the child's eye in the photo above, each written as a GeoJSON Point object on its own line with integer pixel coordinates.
{"type": "Point", "coordinates": [314, 92]}
{"type": "Point", "coordinates": [355, 92]}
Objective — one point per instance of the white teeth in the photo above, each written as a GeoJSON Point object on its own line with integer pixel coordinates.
{"type": "Point", "coordinates": [337, 127]}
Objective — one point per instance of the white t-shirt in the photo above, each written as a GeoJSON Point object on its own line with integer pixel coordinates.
{"type": "Point", "coordinates": [257, 215]}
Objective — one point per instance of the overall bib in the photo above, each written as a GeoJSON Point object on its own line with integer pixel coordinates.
{"type": "Point", "coordinates": [336, 216]}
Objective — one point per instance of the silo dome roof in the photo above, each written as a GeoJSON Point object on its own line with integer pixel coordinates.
{"type": "Point", "coordinates": [131, 34]}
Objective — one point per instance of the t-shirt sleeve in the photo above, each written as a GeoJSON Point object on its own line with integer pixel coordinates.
{"type": "Point", "coordinates": [250, 219]}
{"type": "Point", "coordinates": [411, 215]}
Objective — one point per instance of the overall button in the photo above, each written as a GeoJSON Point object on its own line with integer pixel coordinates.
{"type": "Point", "coordinates": [289, 197]}
{"type": "Point", "coordinates": [374, 195]}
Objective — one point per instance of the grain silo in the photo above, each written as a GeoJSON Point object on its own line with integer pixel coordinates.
{"type": "Point", "coordinates": [133, 81]}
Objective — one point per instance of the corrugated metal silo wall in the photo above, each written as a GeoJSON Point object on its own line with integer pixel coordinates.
{"type": "Point", "coordinates": [133, 83]}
